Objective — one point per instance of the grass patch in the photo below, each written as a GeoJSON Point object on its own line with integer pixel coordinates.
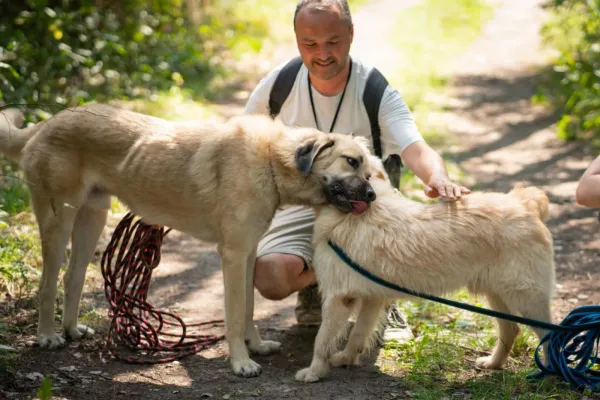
{"type": "Point", "coordinates": [440, 362]}
{"type": "Point", "coordinates": [20, 254]}
{"type": "Point", "coordinates": [14, 195]}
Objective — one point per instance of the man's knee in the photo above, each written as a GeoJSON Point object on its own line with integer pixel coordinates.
{"type": "Point", "coordinates": [273, 274]}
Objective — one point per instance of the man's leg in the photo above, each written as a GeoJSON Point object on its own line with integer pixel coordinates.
{"type": "Point", "coordinates": [282, 268]}
{"type": "Point", "coordinates": [283, 259]}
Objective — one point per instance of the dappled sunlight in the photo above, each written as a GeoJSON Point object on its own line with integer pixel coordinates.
{"type": "Point", "coordinates": [172, 106]}
{"type": "Point", "coordinates": [175, 376]}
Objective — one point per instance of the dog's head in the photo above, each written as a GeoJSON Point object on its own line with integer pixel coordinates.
{"type": "Point", "coordinates": [341, 164]}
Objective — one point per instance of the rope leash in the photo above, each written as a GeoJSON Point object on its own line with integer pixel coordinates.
{"type": "Point", "coordinates": [134, 322]}
{"type": "Point", "coordinates": [575, 341]}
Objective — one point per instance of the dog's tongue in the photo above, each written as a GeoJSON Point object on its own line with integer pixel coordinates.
{"type": "Point", "coordinates": [359, 207]}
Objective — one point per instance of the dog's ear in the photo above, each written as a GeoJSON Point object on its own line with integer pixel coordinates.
{"type": "Point", "coordinates": [393, 166]}
{"type": "Point", "coordinates": [308, 151]}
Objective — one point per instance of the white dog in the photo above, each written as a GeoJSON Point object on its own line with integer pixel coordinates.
{"type": "Point", "coordinates": [494, 244]}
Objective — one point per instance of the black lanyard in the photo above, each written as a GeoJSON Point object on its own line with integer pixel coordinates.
{"type": "Point", "coordinates": [312, 104]}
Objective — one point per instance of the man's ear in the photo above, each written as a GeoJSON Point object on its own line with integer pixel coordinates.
{"type": "Point", "coordinates": [308, 151]}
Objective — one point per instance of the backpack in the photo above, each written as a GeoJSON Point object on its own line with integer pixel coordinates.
{"type": "Point", "coordinates": [375, 87]}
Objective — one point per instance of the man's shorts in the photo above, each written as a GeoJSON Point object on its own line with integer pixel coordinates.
{"type": "Point", "coordinates": [291, 233]}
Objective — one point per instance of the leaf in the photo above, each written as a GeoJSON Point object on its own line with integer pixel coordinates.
{"type": "Point", "coordinates": [45, 390]}
{"type": "Point", "coordinates": [10, 68]}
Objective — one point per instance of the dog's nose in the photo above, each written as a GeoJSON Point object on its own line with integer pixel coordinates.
{"type": "Point", "coordinates": [371, 194]}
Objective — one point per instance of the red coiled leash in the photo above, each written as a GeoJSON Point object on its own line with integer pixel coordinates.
{"type": "Point", "coordinates": [136, 323]}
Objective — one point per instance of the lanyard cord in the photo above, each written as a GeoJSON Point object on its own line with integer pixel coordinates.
{"type": "Point", "coordinates": [312, 104]}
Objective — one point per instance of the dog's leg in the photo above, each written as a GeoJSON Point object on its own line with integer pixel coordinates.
{"type": "Point", "coordinates": [536, 305]}
{"type": "Point", "coordinates": [55, 225]}
{"type": "Point", "coordinates": [234, 261]}
{"type": "Point", "coordinates": [335, 315]}
{"type": "Point", "coordinates": [89, 224]}
{"type": "Point", "coordinates": [255, 344]}
{"type": "Point", "coordinates": [363, 328]}
{"type": "Point", "coordinates": [507, 333]}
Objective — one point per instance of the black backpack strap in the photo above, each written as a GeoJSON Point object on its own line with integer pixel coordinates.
{"type": "Point", "coordinates": [283, 85]}
{"type": "Point", "coordinates": [376, 84]}
{"type": "Point", "coordinates": [374, 89]}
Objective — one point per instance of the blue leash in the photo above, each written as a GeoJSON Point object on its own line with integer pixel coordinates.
{"type": "Point", "coordinates": [571, 342]}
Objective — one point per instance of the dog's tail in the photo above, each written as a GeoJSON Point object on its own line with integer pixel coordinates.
{"type": "Point", "coordinates": [533, 198]}
{"type": "Point", "coordinates": [13, 139]}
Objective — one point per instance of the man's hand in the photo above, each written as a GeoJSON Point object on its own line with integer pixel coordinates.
{"type": "Point", "coordinates": [427, 164]}
{"type": "Point", "coordinates": [442, 186]}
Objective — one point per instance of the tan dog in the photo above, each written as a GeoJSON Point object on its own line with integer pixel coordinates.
{"type": "Point", "coordinates": [492, 243]}
{"type": "Point", "coordinates": [217, 182]}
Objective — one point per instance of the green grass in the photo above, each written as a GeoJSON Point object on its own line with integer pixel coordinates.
{"type": "Point", "coordinates": [20, 254]}
{"type": "Point", "coordinates": [14, 196]}
{"type": "Point", "coordinates": [440, 362]}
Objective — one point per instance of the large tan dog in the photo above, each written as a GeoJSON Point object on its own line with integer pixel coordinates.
{"type": "Point", "coordinates": [495, 244]}
{"type": "Point", "coordinates": [217, 182]}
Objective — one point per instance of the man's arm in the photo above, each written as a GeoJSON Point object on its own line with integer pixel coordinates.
{"type": "Point", "coordinates": [429, 166]}
{"type": "Point", "coordinates": [588, 188]}
{"type": "Point", "coordinates": [400, 135]}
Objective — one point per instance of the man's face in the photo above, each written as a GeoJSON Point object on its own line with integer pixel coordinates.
{"type": "Point", "coordinates": [323, 40]}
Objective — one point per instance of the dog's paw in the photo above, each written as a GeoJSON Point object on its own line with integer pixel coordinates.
{"type": "Point", "coordinates": [80, 331]}
{"type": "Point", "coordinates": [265, 347]}
{"type": "Point", "coordinates": [307, 375]}
{"type": "Point", "coordinates": [488, 363]}
{"type": "Point", "coordinates": [52, 341]}
{"type": "Point", "coordinates": [344, 359]}
{"type": "Point", "coordinates": [246, 368]}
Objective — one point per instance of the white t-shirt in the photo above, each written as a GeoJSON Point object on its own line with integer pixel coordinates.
{"type": "Point", "coordinates": [398, 129]}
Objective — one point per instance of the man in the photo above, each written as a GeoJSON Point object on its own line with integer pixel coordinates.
{"type": "Point", "coordinates": [588, 187]}
{"type": "Point", "coordinates": [327, 94]}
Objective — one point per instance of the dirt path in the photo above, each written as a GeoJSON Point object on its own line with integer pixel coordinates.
{"type": "Point", "coordinates": [503, 139]}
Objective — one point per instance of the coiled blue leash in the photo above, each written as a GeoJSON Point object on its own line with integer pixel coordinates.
{"type": "Point", "coordinates": [575, 341]}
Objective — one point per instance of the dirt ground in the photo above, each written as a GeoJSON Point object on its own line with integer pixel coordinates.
{"type": "Point", "coordinates": [501, 139]}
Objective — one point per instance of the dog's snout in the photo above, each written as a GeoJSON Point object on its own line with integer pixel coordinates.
{"type": "Point", "coordinates": [370, 194]}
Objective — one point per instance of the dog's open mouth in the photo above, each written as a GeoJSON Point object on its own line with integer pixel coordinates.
{"type": "Point", "coordinates": [350, 198]}
{"type": "Point", "coordinates": [359, 207]}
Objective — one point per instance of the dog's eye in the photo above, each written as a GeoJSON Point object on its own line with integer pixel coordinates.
{"type": "Point", "coordinates": [354, 163]}
{"type": "Point", "coordinates": [369, 177]}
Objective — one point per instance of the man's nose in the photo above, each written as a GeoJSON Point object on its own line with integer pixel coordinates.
{"type": "Point", "coordinates": [324, 52]}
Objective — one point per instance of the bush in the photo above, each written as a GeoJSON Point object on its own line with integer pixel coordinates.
{"type": "Point", "coordinates": [67, 52]}
{"type": "Point", "coordinates": [574, 85]}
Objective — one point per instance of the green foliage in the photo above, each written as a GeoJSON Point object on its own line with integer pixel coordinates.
{"type": "Point", "coordinates": [45, 390]}
{"type": "Point", "coordinates": [59, 53]}
{"type": "Point", "coordinates": [19, 254]}
{"type": "Point", "coordinates": [14, 195]}
{"type": "Point", "coordinates": [573, 86]}
{"type": "Point", "coordinates": [68, 52]}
